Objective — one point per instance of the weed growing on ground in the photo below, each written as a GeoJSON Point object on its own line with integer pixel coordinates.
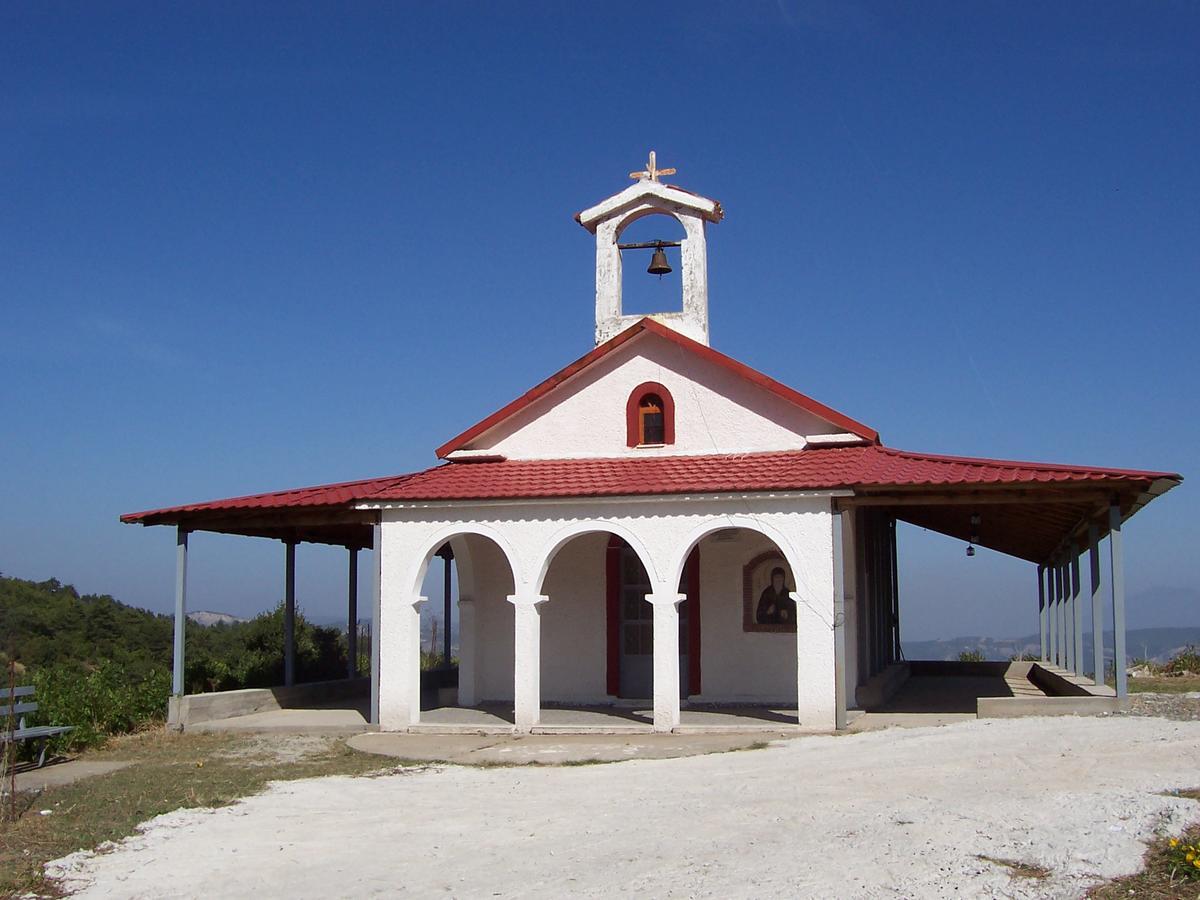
{"type": "Point", "coordinates": [1017, 868]}
{"type": "Point", "coordinates": [1183, 858]}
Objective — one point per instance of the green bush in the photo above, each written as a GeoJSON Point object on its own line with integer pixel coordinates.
{"type": "Point", "coordinates": [100, 701]}
{"type": "Point", "coordinates": [1186, 660]}
{"type": "Point", "coordinates": [971, 656]}
{"type": "Point", "coordinates": [250, 654]}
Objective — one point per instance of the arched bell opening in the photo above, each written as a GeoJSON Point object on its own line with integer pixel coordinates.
{"type": "Point", "coordinates": [652, 240]}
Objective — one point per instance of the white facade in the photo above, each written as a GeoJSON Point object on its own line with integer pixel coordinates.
{"type": "Point", "coordinates": [549, 642]}
{"type": "Point", "coordinates": [716, 411]}
{"type": "Point", "coordinates": [535, 593]}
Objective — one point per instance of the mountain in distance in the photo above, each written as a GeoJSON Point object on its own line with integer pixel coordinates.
{"type": "Point", "coordinates": [1157, 644]}
{"type": "Point", "coordinates": [207, 618]}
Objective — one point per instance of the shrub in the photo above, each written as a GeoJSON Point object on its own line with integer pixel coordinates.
{"type": "Point", "coordinates": [103, 700]}
{"type": "Point", "coordinates": [971, 656]}
{"type": "Point", "coordinates": [1186, 660]}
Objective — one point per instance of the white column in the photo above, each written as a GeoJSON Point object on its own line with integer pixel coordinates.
{"type": "Point", "coordinates": [816, 675]}
{"type": "Point", "coordinates": [395, 638]}
{"type": "Point", "coordinates": [399, 639]}
{"type": "Point", "coordinates": [376, 618]}
{"type": "Point", "coordinates": [666, 657]}
{"type": "Point", "coordinates": [527, 660]}
{"type": "Point", "coordinates": [839, 622]}
{"type": "Point", "coordinates": [466, 652]}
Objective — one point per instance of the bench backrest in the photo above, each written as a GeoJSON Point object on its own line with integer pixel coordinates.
{"type": "Point", "coordinates": [18, 707]}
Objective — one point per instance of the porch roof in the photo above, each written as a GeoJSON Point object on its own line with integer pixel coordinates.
{"type": "Point", "coordinates": [1028, 510]}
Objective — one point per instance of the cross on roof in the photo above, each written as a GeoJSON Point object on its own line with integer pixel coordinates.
{"type": "Point", "coordinates": [652, 170]}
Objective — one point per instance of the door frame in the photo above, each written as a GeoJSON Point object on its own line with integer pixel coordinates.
{"type": "Point", "coordinates": [691, 586]}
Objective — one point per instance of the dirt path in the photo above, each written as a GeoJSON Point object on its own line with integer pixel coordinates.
{"type": "Point", "coordinates": [901, 813]}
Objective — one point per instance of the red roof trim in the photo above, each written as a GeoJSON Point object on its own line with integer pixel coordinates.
{"type": "Point", "coordinates": [649, 325]}
{"type": "Point", "coordinates": [870, 466]}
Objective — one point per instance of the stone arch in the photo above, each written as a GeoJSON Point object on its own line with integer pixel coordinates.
{"type": "Point", "coordinates": [592, 526]}
{"type": "Point", "coordinates": [642, 212]}
{"type": "Point", "coordinates": [461, 530]}
{"type": "Point", "coordinates": [750, 523]}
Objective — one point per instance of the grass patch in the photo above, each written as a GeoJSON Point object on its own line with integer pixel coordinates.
{"type": "Point", "coordinates": [1165, 874]}
{"type": "Point", "coordinates": [169, 771]}
{"type": "Point", "coordinates": [1160, 878]}
{"type": "Point", "coordinates": [1016, 868]}
{"type": "Point", "coordinates": [1160, 684]}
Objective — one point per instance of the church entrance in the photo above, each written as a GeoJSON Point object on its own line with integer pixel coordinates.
{"type": "Point", "coordinates": [631, 626]}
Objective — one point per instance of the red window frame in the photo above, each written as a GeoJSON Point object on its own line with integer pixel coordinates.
{"type": "Point", "coordinates": [633, 417]}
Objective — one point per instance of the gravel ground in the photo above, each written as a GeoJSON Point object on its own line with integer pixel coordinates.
{"type": "Point", "coordinates": [899, 813]}
{"type": "Point", "coordinates": [1181, 707]}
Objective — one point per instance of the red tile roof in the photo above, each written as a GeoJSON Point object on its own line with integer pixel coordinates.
{"type": "Point", "coordinates": [820, 410]}
{"type": "Point", "coordinates": [870, 467]}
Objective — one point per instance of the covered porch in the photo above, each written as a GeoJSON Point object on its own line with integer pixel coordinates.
{"type": "Point", "coordinates": [1065, 523]}
{"type": "Point", "coordinates": [535, 601]}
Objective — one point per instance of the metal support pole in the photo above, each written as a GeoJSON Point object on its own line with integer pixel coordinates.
{"type": "Point", "coordinates": [1117, 561]}
{"type": "Point", "coordinates": [352, 615]}
{"type": "Point", "coordinates": [1069, 615]}
{"type": "Point", "coordinates": [1097, 605]}
{"type": "Point", "coordinates": [376, 631]}
{"type": "Point", "coordinates": [897, 648]}
{"type": "Point", "coordinates": [839, 625]}
{"type": "Point", "coordinates": [1065, 609]}
{"type": "Point", "coordinates": [1060, 611]}
{"type": "Point", "coordinates": [1052, 613]}
{"type": "Point", "coordinates": [289, 615]}
{"type": "Point", "coordinates": [1042, 619]}
{"type": "Point", "coordinates": [1077, 611]}
{"type": "Point", "coordinates": [447, 560]}
{"type": "Point", "coordinates": [181, 548]}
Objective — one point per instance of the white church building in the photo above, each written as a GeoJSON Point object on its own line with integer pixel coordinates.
{"type": "Point", "coordinates": [659, 524]}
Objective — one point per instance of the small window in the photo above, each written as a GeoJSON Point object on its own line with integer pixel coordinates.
{"type": "Point", "coordinates": [651, 421]}
{"type": "Point", "coordinates": [650, 416]}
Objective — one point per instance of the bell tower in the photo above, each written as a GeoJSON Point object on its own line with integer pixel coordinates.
{"type": "Point", "coordinates": [649, 197]}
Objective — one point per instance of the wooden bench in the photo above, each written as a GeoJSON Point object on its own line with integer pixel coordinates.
{"type": "Point", "coordinates": [19, 707]}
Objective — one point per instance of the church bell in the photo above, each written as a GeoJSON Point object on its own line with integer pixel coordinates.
{"type": "Point", "coordinates": [658, 263]}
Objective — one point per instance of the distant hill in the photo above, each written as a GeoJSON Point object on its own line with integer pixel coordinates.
{"type": "Point", "coordinates": [206, 618]}
{"type": "Point", "coordinates": [1158, 644]}
{"type": "Point", "coordinates": [45, 622]}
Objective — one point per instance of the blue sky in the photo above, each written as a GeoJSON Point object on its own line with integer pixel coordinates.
{"type": "Point", "coordinates": [248, 247]}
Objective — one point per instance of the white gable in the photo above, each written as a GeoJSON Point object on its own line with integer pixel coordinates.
{"type": "Point", "coordinates": [716, 410]}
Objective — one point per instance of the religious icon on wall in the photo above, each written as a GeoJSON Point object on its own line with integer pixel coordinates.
{"type": "Point", "coordinates": [767, 586]}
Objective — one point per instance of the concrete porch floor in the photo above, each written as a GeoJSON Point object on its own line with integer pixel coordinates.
{"type": "Point", "coordinates": [490, 719]}
{"type": "Point", "coordinates": [922, 700]}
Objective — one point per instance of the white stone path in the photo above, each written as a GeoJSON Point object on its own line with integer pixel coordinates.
{"type": "Point", "coordinates": [900, 813]}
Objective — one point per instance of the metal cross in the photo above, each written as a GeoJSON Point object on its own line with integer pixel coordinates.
{"type": "Point", "coordinates": [652, 170]}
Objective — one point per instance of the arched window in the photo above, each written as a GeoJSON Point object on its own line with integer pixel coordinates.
{"type": "Point", "coordinates": [650, 419]}
{"type": "Point", "coordinates": [650, 416]}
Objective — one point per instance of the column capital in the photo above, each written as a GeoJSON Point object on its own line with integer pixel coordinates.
{"type": "Point", "coordinates": [527, 599]}
{"type": "Point", "coordinates": [665, 598]}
